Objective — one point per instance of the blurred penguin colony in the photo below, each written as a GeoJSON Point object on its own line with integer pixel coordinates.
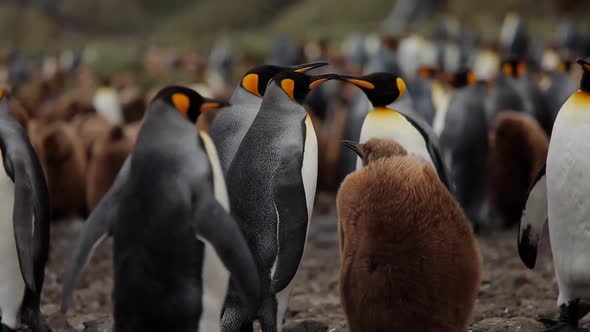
{"type": "Point", "coordinates": [424, 141]}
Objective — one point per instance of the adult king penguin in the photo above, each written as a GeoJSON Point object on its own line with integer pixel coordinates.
{"type": "Point", "coordinates": [412, 132]}
{"type": "Point", "coordinates": [560, 196]}
{"type": "Point", "coordinates": [272, 186]}
{"type": "Point", "coordinates": [24, 226]}
{"type": "Point", "coordinates": [232, 122]}
{"type": "Point", "coordinates": [175, 244]}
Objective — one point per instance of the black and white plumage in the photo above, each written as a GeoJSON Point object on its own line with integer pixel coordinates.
{"type": "Point", "coordinates": [24, 226]}
{"type": "Point", "coordinates": [272, 184]}
{"type": "Point", "coordinates": [232, 122]}
{"type": "Point", "coordinates": [559, 196]}
{"type": "Point", "coordinates": [175, 244]}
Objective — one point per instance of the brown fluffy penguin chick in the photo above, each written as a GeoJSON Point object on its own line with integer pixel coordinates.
{"type": "Point", "coordinates": [518, 149]}
{"type": "Point", "coordinates": [64, 163]}
{"type": "Point", "coordinates": [108, 155]}
{"type": "Point", "coordinates": [409, 260]}
{"type": "Point", "coordinates": [90, 128]}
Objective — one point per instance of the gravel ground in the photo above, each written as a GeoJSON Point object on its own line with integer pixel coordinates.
{"type": "Point", "coordinates": [511, 296]}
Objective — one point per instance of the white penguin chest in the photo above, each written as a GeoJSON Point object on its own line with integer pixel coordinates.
{"type": "Point", "coordinates": [215, 275]}
{"type": "Point", "coordinates": [12, 285]}
{"type": "Point", "coordinates": [388, 124]}
{"type": "Point", "coordinates": [568, 187]}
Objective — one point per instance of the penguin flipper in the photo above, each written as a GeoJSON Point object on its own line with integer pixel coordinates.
{"type": "Point", "coordinates": [25, 226]}
{"type": "Point", "coordinates": [534, 216]}
{"type": "Point", "coordinates": [432, 146]}
{"type": "Point", "coordinates": [95, 230]}
{"type": "Point", "coordinates": [224, 234]}
{"type": "Point", "coordinates": [292, 220]}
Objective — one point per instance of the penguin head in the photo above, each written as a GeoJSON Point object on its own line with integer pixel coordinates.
{"type": "Point", "coordinates": [298, 85]}
{"type": "Point", "coordinates": [463, 77]}
{"type": "Point", "coordinates": [585, 82]}
{"type": "Point", "coordinates": [187, 101]}
{"type": "Point", "coordinates": [256, 79]}
{"type": "Point", "coordinates": [382, 89]}
{"type": "Point", "coordinates": [513, 68]}
{"type": "Point", "coordinates": [376, 149]}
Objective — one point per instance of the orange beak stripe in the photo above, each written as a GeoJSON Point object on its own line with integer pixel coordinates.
{"type": "Point", "coordinates": [361, 83]}
{"type": "Point", "coordinates": [209, 105]}
{"type": "Point", "coordinates": [317, 82]}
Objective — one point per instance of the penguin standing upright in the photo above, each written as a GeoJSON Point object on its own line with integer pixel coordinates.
{"type": "Point", "coordinates": [464, 148]}
{"type": "Point", "coordinates": [272, 185]}
{"type": "Point", "coordinates": [174, 240]}
{"type": "Point", "coordinates": [383, 89]}
{"type": "Point", "coordinates": [232, 122]}
{"type": "Point", "coordinates": [560, 196]}
{"type": "Point", "coordinates": [24, 227]}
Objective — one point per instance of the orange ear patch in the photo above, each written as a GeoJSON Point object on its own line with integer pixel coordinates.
{"type": "Point", "coordinates": [288, 85]}
{"type": "Point", "coordinates": [1, 93]}
{"type": "Point", "coordinates": [361, 83]}
{"type": "Point", "coordinates": [181, 102]}
{"type": "Point", "coordinates": [586, 66]}
{"type": "Point", "coordinates": [209, 105]}
{"type": "Point", "coordinates": [250, 83]}
{"type": "Point", "coordinates": [507, 69]}
{"type": "Point", "coordinates": [317, 82]}
{"type": "Point", "coordinates": [401, 86]}
{"type": "Point", "coordinates": [471, 79]}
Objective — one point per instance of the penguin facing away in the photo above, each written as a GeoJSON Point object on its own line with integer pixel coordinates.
{"type": "Point", "coordinates": [464, 147]}
{"type": "Point", "coordinates": [409, 260]}
{"type": "Point", "coordinates": [24, 226]}
{"type": "Point", "coordinates": [232, 122]}
{"type": "Point", "coordinates": [175, 245]}
{"type": "Point", "coordinates": [272, 185]}
{"type": "Point", "coordinates": [412, 132]}
{"type": "Point", "coordinates": [559, 196]}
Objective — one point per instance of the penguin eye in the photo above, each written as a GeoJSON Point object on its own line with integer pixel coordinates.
{"type": "Point", "coordinates": [181, 102]}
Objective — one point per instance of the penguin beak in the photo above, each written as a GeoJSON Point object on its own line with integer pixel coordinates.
{"type": "Point", "coordinates": [354, 147]}
{"type": "Point", "coordinates": [319, 79]}
{"type": "Point", "coordinates": [209, 104]}
{"type": "Point", "coordinates": [308, 66]}
{"type": "Point", "coordinates": [363, 84]}
{"type": "Point", "coordinates": [585, 64]}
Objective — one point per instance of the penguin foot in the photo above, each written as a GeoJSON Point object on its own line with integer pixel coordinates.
{"type": "Point", "coordinates": [35, 320]}
{"type": "Point", "coordinates": [547, 322]}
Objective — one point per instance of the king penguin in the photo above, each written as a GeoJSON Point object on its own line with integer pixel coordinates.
{"type": "Point", "coordinates": [272, 185]}
{"type": "Point", "coordinates": [24, 226]}
{"type": "Point", "coordinates": [559, 196]}
{"type": "Point", "coordinates": [175, 244]}
{"type": "Point", "coordinates": [409, 130]}
{"type": "Point", "coordinates": [232, 122]}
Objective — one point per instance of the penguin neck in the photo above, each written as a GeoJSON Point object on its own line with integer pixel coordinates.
{"type": "Point", "coordinates": [384, 109]}
{"type": "Point", "coordinates": [275, 99]}
{"type": "Point", "coordinates": [242, 96]}
{"type": "Point", "coordinates": [585, 82]}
